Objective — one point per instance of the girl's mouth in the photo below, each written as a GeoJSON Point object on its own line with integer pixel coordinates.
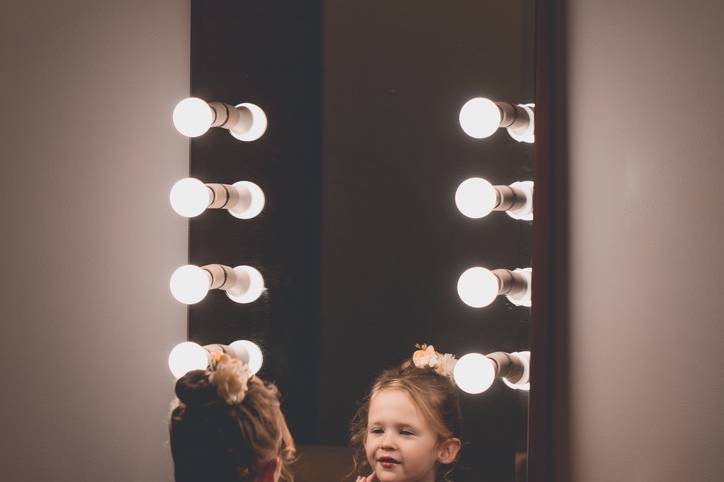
{"type": "Point", "coordinates": [387, 462]}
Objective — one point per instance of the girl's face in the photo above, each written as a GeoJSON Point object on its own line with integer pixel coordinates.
{"type": "Point", "coordinates": [400, 445]}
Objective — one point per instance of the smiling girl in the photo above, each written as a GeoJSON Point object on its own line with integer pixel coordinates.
{"type": "Point", "coordinates": [408, 428]}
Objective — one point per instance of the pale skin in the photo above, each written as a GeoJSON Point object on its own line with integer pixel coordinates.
{"type": "Point", "coordinates": [270, 472]}
{"type": "Point", "coordinates": [400, 444]}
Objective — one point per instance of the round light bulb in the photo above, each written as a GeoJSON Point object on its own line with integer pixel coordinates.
{"type": "Point", "coordinates": [254, 200]}
{"type": "Point", "coordinates": [476, 197]}
{"type": "Point", "coordinates": [474, 373]}
{"type": "Point", "coordinates": [478, 287]}
{"type": "Point", "coordinates": [187, 356]}
{"type": "Point", "coordinates": [192, 117]}
{"type": "Point", "coordinates": [249, 287]}
{"type": "Point", "coordinates": [189, 197]}
{"type": "Point", "coordinates": [248, 352]}
{"type": "Point", "coordinates": [189, 284]}
{"type": "Point", "coordinates": [258, 123]}
{"type": "Point", "coordinates": [480, 117]}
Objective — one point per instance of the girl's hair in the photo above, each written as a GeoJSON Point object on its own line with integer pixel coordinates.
{"type": "Point", "coordinates": [214, 440]}
{"type": "Point", "coordinates": [433, 394]}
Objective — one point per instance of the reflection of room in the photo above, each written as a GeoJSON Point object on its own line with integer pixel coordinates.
{"type": "Point", "coordinates": [361, 243]}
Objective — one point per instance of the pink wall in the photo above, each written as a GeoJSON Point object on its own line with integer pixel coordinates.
{"type": "Point", "coordinates": [646, 290]}
{"type": "Point", "coordinates": [88, 155]}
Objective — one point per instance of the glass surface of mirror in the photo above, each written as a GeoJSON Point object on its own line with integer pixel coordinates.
{"type": "Point", "coordinates": [361, 244]}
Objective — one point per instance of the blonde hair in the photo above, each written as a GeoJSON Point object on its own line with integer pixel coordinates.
{"type": "Point", "coordinates": [432, 393]}
{"type": "Point", "coordinates": [215, 440]}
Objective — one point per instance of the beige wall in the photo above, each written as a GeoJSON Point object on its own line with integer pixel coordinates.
{"type": "Point", "coordinates": [646, 162]}
{"type": "Point", "coordinates": [88, 240]}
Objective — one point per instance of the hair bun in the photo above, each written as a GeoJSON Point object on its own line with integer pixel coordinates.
{"type": "Point", "coordinates": [194, 388]}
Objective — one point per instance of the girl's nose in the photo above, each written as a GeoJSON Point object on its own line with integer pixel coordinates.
{"type": "Point", "coordinates": [388, 440]}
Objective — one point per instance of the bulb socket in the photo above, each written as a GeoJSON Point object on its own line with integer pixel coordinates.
{"type": "Point", "coordinates": [510, 282]}
{"type": "Point", "coordinates": [222, 277]}
{"type": "Point", "coordinates": [512, 116]}
{"type": "Point", "coordinates": [507, 366]}
{"type": "Point", "coordinates": [237, 119]}
{"type": "Point", "coordinates": [223, 196]}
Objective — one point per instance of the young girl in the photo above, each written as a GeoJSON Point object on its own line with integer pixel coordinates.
{"type": "Point", "coordinates": [408, 428]}
{"type": "Point", "coordinates": [227, 426]}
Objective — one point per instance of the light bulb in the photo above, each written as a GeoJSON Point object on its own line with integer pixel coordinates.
{"type": "Point", "coordinates": [189, 197]}
{"type": "Point", "coordinates": [249, 285]}
{"type": "Point", "coordinates": [258, 123]}
{"type": "Point", "coordinates": [478, 287]}
{"type": "Point", "coordinates": [480, 117]}
{"type": "Point", "coordinates": [251, 200]}
{"type": "Point", "coordinates": [476, 197]}
{"type": "Point", "coordinates": [192, 117]}
{"type": "Point", "coordinates": [189, 284]}
{"type": "Point", "coordinates": [474, 373]}
{"type": "Point", "coordinates": [248, 352]}
{"type": "Point", "coordinates": [187, 356]}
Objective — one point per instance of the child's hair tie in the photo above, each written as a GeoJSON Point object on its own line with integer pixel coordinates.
{"type": "Point", "coordinates": [426, 356]}
{"type": "Point", "coordinates": [230, 376]}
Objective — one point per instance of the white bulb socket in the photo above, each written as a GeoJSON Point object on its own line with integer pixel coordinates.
{"type": "Point", "coordinates": [524, 131]}
{"type": "Point", "coordinates": [192, 117]}
{"type": "Point", "coordinates": [187, 356]}
{"type": "Point", "coordinates": [521, 382]}
{"type": "Point", "coordinates": [474, 373]}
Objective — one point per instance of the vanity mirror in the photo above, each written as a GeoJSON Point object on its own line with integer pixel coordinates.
{"type": "Point", "coordinates": [360, 242]}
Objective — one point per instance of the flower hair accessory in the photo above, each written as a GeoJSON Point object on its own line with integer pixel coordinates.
{"type": "Point", "coordinates": [426, 356]}
{"type": "Point", "coordinates": [230, 376]}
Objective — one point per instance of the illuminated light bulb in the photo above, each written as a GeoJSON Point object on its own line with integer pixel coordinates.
{"type": "Point", "coordinates": [187, 356]}
{"type": "Point", "coordinates": [189, 284]}
{"type": "Point", "coordinates": [251, 200]}
{"type": "Point", "coordinates": [476, 197]}
{"type": "Point", "coordinates": [249, 285]}
{"type": "Point", "coordinates": [192, 117]}
{"type": "Point", "coordinates": [474, 373]}
{"type": "Point", "coordinates": [248, 352]}
{"type": "Point", "coordinates": [189, 197]}
{"type": "Point", "coordinates": [256, 128]}
{"type": "Point", "coordinates": [480, 117]}
{"type": "Point", "coordinates": [478, 287]}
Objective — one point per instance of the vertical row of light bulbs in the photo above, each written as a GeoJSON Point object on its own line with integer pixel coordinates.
{"type": "Point", "coordinates": [189, 198]}
{"type": "Point", "coordinates": [479, 286]}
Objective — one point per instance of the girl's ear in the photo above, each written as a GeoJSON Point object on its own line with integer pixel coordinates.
{"type": "Point", "coordinates": [448, 450]}
{"type": "Point", "coordinates": [270, 472]}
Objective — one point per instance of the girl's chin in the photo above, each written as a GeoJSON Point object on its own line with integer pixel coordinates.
{"type": "Point", "coordinates": [386, 476]}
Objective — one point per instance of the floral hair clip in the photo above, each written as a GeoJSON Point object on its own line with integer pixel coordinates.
{"type": "Point", "coordinates": [231, 377]}
{"type": "Point", "coordinates": [426, 356]}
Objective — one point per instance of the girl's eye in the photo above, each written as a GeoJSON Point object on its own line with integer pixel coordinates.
{"type": "Point", "coordinates": [406, 432]}
{"type": "Point", "coordinates": [376, 430]}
